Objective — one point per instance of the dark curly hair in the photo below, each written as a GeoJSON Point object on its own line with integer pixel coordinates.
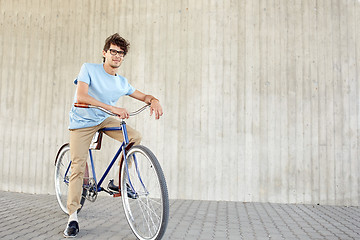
{"type": "Point", "coordinates": [117, 40]}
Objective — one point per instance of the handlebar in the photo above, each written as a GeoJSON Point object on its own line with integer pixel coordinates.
{"type": "Point", "coordinates": [83, 105]}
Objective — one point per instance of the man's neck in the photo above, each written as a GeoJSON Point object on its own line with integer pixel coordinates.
{"type": "Point", "coordinates": [110, 70]}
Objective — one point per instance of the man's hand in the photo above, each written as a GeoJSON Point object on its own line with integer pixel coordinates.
{"type": "Point", "coordinates": [156, 107]}
{"type": "Point", "coordinates": [121, 112]}
{"type": "Point", "coordinates": [149, 99]}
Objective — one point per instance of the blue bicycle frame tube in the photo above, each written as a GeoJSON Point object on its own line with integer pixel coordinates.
{"type": "Point", "coordinates": [67, 170]}
{"type": "Point", "coordinates": [92, 165]}
{"type": "Point", "coordinates": [111, 163]}
{"type": "Point", "coordinates": [111, 129]}
{"type": "Point", "coordinates": [138, 173]}
{"type": "Point", "coordinates": [109, 167]}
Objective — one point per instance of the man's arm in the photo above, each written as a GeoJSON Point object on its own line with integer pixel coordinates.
{"type": "Point", "coordinates": [149, 99]}
{"type": "Point", "coordinates": [83, 97]}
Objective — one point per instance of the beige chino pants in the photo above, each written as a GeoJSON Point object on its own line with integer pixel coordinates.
{"type": "Point", "coordinates": [80, 140]}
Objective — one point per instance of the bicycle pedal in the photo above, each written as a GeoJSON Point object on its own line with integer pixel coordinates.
{"type": "Point", "coordinates": [116, 195]}
{"type": "Point", "coordinates": [108, 191]}
{"type": "Point", "coordinates": [112, 187]}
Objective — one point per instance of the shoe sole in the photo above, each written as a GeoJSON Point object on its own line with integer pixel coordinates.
{"type": "Point", "coordinates": [66, 236]}
{"type": "Point", "coordinates": [69, 236]}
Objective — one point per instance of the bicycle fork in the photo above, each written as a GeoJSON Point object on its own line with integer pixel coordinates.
{"type": "Point", "coordinates": [126, 140]}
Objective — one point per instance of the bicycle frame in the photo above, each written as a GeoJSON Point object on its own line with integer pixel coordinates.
{"type": "Point", "coordinates": [122, 149]}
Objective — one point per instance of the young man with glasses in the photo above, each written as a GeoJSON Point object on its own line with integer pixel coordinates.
{"type": "Point", "coordinates": [99, 85]}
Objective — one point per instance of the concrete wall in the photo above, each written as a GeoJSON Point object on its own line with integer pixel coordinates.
{"type": "Point", "coordinates": [261, 98]}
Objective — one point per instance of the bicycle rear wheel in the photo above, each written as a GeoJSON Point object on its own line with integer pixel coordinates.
{"type": "Point", "coordinates": [62, 177]}
{"type": "Point", "coordinates": [144, 194]}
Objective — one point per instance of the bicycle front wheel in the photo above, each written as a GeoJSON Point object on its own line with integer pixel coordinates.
{"type": "Point", "coordinates": [144, 194]}
{"type": "Point", "coordinates": [62, 177]}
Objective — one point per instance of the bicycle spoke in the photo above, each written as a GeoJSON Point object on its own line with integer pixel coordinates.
{"type": "Point", "coordinates": [149, 208]}
{"type": "Point", "coordinates": [129, 211]}
{"type": "Point", "coordinates": [148, 216]}
{"type": "Point", "coordinates": [157, 202]}
{"type": "Point", "coordinates": [151, 216]}
{"type": "Point", "coordinates": [145, 217]}
{"type": "Point", "coordinates": [146, 226]}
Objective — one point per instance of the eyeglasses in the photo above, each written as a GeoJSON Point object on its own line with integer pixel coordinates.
{"type": "Point", "coordinates": [114, 52]}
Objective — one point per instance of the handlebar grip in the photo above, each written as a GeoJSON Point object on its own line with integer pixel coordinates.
{"type": "Point", "coordinates": [81, 105]}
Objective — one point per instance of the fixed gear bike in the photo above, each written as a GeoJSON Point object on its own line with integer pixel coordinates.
{"type": "Point", "coordinates": [142, 186]}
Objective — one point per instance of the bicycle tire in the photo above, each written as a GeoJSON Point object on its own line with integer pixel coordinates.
{"type": "Point", "coordinates": [148, 214]}
{"type": "Point", "coordinates": [62, 163]}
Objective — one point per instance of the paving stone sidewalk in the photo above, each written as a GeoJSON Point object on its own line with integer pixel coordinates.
{"type": "Point", "coordinates": [27, 216]}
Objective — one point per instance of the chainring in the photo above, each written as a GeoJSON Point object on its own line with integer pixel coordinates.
{"type": "Point", "coordinates": [91, 190]}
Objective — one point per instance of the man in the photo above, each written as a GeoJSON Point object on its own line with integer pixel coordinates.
{"type": "Point", "coordinates": [99, 85]}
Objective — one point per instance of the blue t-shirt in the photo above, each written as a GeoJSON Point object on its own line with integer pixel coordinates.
{"type": "Point", "coordinates": [103, 87]}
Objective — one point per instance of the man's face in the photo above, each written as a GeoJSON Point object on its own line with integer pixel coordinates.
{"type": "Point", "coordinates": [113, 57]}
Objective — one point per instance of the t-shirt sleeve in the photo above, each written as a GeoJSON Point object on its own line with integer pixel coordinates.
{"type": "Point", "coordinates": [131, 89]}
{"type": "Point", "coordinates": [83, 75]}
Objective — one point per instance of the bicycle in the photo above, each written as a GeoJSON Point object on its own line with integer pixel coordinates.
{"type": "Point", "coordinates": [142, 183]}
